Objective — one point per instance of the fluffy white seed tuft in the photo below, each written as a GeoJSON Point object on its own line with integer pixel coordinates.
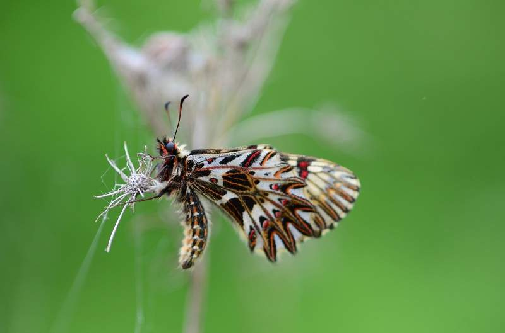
{"type": "Point", "coordinates": [137, 183]}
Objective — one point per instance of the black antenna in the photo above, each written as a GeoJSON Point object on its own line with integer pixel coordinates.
{"type": "Point", "coordinates": [180, 112]}
{"type": "Point", "coordinates": [167, 104]}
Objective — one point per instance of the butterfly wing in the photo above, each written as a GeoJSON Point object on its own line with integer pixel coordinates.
{"type": "Point", "coordinates": [332, 188]}
{"type": "Point", "coordinates": [262, 191]}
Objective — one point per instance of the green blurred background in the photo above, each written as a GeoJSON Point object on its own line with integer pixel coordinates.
{"type": "Point", "coordinates": [422, 252]}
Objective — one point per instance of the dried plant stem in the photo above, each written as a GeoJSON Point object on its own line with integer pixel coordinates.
{"type": "Point", "coordinates": [196, 299]}
{"type": "Point", "coordinates": [64, 317]}
{"type": "Point", "coordinates": [198, 282]}
{"type": "Point", "coordinates": [127, 62]}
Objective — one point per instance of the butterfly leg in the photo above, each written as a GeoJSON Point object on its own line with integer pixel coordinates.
{"type": "Point", "coordinates": [195, 230]}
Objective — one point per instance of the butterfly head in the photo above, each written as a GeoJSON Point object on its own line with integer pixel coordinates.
{"type": "Point", "coordinates": [172, 154]}
{"type": "Point", "coordinates": [168, 147]}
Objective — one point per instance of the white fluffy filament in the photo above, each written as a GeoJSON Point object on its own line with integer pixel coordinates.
{"type": "Point", "coordinates": [138, 182]}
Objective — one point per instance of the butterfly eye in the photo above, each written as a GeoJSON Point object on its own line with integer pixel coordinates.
{"type": "Point", "coordinates": [170, 146]}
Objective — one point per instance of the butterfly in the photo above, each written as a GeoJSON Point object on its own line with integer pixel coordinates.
{"type": "Point", "coordinates": [274, 199]}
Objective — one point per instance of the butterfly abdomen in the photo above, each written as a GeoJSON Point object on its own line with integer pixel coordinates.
{"type": "Point", "coordinates": [195, 230]}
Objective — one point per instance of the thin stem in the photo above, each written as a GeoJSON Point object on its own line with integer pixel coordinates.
{"type": "Point", "coordinates": [196, 298]}
{"type": "Point", "coordinates": [198, 283]}
{"type": "Point", "coordinates": [64, 317]}
{"type": "Point", "coordinates": [139, 288]}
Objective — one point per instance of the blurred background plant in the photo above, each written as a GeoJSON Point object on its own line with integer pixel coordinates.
{"type": "Point", "coordinates": [222, 65]}
{"type": "Point", "coordinates": [423, 249]}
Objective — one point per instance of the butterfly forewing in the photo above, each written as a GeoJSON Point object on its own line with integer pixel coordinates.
{"type": "Point", "coordinates": [276, 200]}
{"type": "Point", "coordinates": [332, 188]}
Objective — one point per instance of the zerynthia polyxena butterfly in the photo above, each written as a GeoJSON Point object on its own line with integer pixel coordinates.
{"type": "Point", "coordinates": [275, 199]}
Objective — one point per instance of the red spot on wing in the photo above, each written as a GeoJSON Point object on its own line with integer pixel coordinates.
{"type": "Point", "coordinates": [252, 239]}
{"type": "Point", "coordinates": [251, 158]}
{"type": "Point", "coordinates": [304, 174]}
{"type": "Point", "coordinates": [303, 164]}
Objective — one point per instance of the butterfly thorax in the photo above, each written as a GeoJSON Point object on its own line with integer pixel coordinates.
{"type": "Point", "coordinates": [173, 168]}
